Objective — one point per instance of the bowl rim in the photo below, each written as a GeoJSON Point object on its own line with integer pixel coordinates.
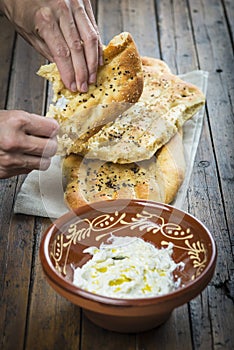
{"type": "Point", "coordinates": [71, 288]}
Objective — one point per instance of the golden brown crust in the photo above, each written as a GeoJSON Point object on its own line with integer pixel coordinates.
{"type": "Point", "coordinates": [171, 167]}
{"type": "Point", "coordinates": [119, 84]}
{"type": "Point", "coordinates": [157, 179]}
{"type": "Point", "coordinates": [155, 65]}
{"type": "Point", "coordinates": [164, 106]}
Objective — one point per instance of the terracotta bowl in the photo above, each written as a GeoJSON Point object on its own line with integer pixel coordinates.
{"type": "Point", "coordinates": [63, 243]}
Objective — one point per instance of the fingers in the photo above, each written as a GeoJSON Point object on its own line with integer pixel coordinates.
{"type": "Point", "coordinates": [15, 164]}
{"type": "Point", "coordinates": [38, 136]}
{"type": "Point", "coordinates": [71, 35]}
{"type": "Point", "coordinates": [5, 174]}
{"type": "Point", "coordinates": [83, 41]}
{"type": "Point", "coordinates": [40, 147]}
{"type": "Point", "coordinates": [47, 27]}
{"type": "Point", "coordinates": [88, 34]}
{"type": "Point", "coordinates": [40, 126]}
{"type": "Point", "coordinates": [76, 47]}
{"type": "Point", "coordinates": [31, 145]}
{"type": "Point", "coordinates": [24, 162]}
{"type": "Point", "coordinates": [92, 19]}
{"type": "Point", "coordinates": [27, 142]}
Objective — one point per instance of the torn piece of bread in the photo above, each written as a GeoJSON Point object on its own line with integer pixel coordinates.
{"type": "Point", "coordinates": [119, 84]}
{"type": "Point", "coordinates": [166, 103]}
{"type": "Point", "coordinates": [158, 178]}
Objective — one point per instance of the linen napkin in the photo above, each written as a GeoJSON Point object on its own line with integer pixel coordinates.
{"type": "Point", "coordinates": [41, 194]}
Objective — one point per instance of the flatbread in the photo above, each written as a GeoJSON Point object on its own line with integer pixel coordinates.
{"type": "Point", "coordinates": [119, 84]}
{"type": "Point", "coordinates": [153, 167]}
{"type": "Point", "coordinates": [166, 103]}
{"type": "Point", "coordinates": [156, 179]}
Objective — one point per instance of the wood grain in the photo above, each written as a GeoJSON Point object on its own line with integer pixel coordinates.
{"type": "Point", "coordinates": [17, 240]}
{"type": "Point", "coordinates": [7, 43]}
{"type": "Point", "coordinates": [188, 35]}
{"type": "Point", "coordinates": [53, 322]}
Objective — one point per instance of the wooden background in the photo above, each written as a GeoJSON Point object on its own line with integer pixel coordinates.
{"type": "Point", "coordinates": [188, 35]}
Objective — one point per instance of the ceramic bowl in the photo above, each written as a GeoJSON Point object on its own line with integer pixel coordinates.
{"type": "Point", "coordinates": [62, 245]}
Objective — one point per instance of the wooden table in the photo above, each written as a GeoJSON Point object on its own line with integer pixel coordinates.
{"type": "Point", "coordinates": [188, 35]}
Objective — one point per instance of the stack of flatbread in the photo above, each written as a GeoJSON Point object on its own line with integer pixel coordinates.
{"type": "Point", "coordinates": [130, 143]}
{"type": "Point", "coordinates": [119, 84]}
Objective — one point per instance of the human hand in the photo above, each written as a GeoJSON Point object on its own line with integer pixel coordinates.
{"type": "Point", "coordinates": [63, 31]}
{"type": "Point", "coordinates": [27, 142]}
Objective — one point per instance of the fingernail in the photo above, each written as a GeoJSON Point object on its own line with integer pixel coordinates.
{"type": "Point", "coordinates": [92, 78]}
{"type": "Point", "coordinates": [84, 87]}
{"type": "Point", "coordinates": [73, 87]}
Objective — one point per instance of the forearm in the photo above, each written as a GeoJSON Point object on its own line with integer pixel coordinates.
{"type": "Point", "coordinates": [2, 6]}
{"type": "Point", "coordinates": [7, 8]}
{"type": "Point", "coordinates": [22, 12]}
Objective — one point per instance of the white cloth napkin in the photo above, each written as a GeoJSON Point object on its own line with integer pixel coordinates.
{"type": "Point", "coordinates": [41, 194]}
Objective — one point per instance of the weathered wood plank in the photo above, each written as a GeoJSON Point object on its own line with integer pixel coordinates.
{"type": "Point", "coordinates": [208, 312]}
{"type": "Point", "coordinates": [204, 190]}
{"type": "Point", "coordinates": [6, 44]}
{"type": "Point", "coordinates": [173, 335]}
{"type": "Point", "coordinates": [6, 195]}
{"type": "Point", "coordinates": [132, 16]}
{"type": "Point", "coordinates": [201, 322]}
{"type": "Point", "coordinates": [214, 167]}
{"type": "Point", "coordinates": [139, 19]}
{"type": "Point", "coordinates": [229, 12]}
{"type": "Point", "coordinates": [27, 89]}
{"type": "Point", "coordinates": [222, 316]}
{"type": "Point", "coordinates": [216, 55]}
{"type": "Point", "coordinates": [53, 322]}
{"type": "Point", "coordinates": [13, 305]}
{"type": "Point", "coordinates": [99, 338]}
{"type": "Point", "coordinates": [206, 204]}
{"type": "Point", "coordinates": [18, 230]}
{"type": "Point", "coordinates": [6, 199]}
{"type": "Point", "coordinates": [109, 18]}
{"type": "Point", "coordinates": [176, 36]}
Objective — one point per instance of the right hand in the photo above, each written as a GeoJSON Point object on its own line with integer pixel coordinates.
{"type": "Point", "coordinates": [27, 142]}
{"type": "Point", "coordinates": [63, 31]}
